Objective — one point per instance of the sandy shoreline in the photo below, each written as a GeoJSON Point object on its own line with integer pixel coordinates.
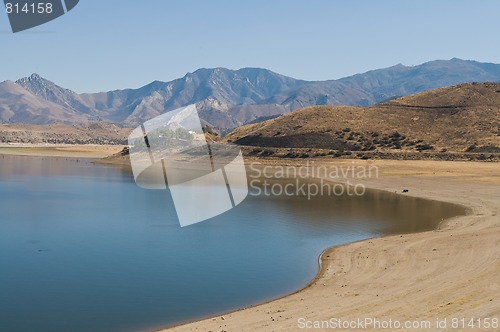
{"type": "Point", "coordinates": [60, 150]}
{"type": "Point", "coordinates": [448, 273]}
{"type": "Point", "coordinates": [451, 272]}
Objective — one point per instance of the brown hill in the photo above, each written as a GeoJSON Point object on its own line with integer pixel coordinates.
{"type": "Point", "coordinates": [458, 119]}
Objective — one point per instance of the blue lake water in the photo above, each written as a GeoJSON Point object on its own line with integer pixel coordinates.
{"type": "Point", "coordinates": [82, 248]}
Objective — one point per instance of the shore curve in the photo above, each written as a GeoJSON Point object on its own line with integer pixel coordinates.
{"type": "Point", "coordinates": [451, 272]}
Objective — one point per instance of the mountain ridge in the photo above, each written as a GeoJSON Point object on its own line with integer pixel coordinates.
{"type": "Point", "coordinates": [230, 98]}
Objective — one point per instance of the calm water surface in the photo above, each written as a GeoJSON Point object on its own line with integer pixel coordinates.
{"type": "Point", "coordinates": [82, 248]}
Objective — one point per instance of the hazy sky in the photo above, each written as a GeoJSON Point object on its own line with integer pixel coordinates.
{"type": "Point", "coordinates": [109, 44]}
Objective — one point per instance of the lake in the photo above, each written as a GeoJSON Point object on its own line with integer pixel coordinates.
{"type": "Point", "coordinates": [82, 248]}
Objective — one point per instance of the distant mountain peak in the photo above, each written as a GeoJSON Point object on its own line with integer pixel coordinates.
{"type": "Point", "coordinates": [52, 92]}
{"type": "Point", "coordinates": [38, 85]}
{"type": "Point", "coordinates": [32, 78]}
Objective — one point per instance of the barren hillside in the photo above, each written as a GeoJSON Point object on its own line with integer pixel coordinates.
{"type": "Point", "coordinates": [458, 119]}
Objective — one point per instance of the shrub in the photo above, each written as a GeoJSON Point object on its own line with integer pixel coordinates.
{"type": "Point", "coordinates": [423, 147]}
{"type": "Point", "coordinates": [396, 135]}
{"type": "Point", "coordinates": [471, 148]}
{"type": "Point", "coordinates": [355, 147]}
{"type": "Point", "coordinates": [291, 154]}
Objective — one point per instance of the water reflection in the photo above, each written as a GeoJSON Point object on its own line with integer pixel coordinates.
{"type": "Point", "coordinates": [15, 167]}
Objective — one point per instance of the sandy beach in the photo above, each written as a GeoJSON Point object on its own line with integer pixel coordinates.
{"type": "Point", "coordinates": [452, 272]}
{"type": "Point", "coordinates": [60, 150]}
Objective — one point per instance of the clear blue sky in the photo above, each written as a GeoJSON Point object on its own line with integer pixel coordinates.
{"type": "Point", "coordinates": [109, 44]}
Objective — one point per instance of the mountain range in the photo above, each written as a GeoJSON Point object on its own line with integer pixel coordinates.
{"type": "Point", "coordinates": [228, 98]}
